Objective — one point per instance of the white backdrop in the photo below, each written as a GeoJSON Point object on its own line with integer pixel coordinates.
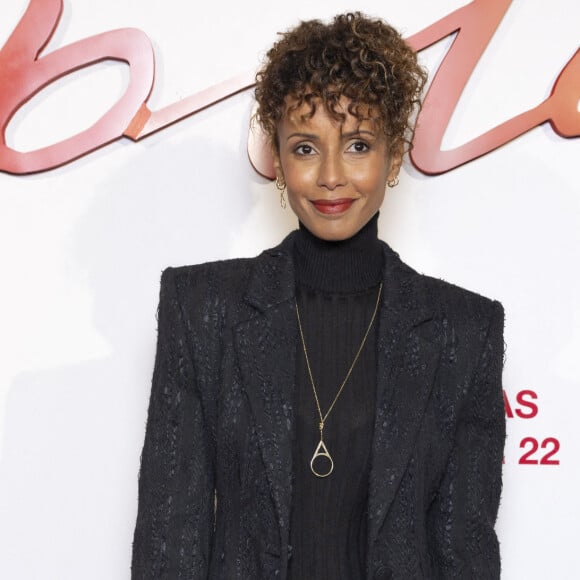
{"type": "Point", "coordinates": [82, 248]}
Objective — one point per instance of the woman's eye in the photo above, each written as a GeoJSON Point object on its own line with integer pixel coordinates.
{"type": "Point", "coordinates": [359, 147]}
{"type": "Point", "coordinates": [304, 150]}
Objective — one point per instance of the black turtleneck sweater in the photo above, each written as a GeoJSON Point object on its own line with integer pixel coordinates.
{"type": "Point", "coordinates": [336, 289]}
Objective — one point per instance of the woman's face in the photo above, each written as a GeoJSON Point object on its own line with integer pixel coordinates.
{"type": "Point", "coordinates": [335, 172]}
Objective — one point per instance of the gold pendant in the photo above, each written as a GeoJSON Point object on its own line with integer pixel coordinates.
{"type": "Point", "coordinates": [321, 451]}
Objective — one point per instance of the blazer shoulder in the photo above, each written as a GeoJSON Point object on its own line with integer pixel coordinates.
{"type": "Point", "coordinates": [457, 302]}
{"type": "Point", "coordinates": [211, 295]}
{"type": "Point", "coordinates": [219, 276]}
{"type": "Point", "coordinates": [438, 295]}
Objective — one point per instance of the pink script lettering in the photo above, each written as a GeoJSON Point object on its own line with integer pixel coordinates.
{"type": "Point", "coordinates": [24, 72]}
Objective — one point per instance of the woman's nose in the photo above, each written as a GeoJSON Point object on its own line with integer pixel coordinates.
{"type": "Point", "coordinates": [331, 172]}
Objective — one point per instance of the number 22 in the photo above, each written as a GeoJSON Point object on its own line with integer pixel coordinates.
{"type": "Point", "coordinates": [550, 443]}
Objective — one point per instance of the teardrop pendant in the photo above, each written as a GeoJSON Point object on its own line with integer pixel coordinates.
{"type": "Point", "coordinates": [321, 451]}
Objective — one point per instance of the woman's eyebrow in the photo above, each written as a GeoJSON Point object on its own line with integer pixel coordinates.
{"type": "Point", "coordinates": [310, 136]}
{"type": "Point", "coordinates": [314, 137]}
{"type": "Point", "coordinates": [357, 132]}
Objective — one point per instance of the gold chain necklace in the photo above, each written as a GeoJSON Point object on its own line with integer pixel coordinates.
{"type": "Point", "coordinates": [321, 449]}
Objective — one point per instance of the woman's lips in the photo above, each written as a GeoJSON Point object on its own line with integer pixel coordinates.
{"type": "Point", "coordinates": [333, 206]}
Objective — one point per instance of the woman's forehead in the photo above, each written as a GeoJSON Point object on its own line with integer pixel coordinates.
{"type": "Point", "coordinates": [343, 113]}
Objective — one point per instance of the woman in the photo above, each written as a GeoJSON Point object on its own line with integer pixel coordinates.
{"type": "Point", "coordinates": [322, 410]}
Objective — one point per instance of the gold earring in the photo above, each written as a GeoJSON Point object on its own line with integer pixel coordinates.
{"type": "Point", "coordinates": [281, 185]}
{"type": "Point", "coordinates": [393, 182]}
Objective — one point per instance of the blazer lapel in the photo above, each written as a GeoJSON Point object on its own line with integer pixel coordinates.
{"type": "Point", "coordinates": [265, 346]}
{"type": "Point", "coordinates": [408, 355]}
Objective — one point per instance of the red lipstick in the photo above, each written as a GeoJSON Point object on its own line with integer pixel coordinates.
{"type": "Point", "coordinates": [333, 206]}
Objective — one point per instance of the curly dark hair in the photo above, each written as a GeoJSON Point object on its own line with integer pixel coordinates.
{"type": "Point", "coordinates": [363, 59]}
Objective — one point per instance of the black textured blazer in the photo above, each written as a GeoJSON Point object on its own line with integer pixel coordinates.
{"type": "Point", "coordinates": [215, 486]}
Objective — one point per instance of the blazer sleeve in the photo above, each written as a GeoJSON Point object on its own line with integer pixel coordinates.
{"type": "Point", "coordinates": [463, 515]}
{"type": "Point", "coordinates": [175, 513]}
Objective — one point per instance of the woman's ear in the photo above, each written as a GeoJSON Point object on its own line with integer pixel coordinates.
{"type": "Point", "coordinates": [277, 162]}
{"type": "Point", "coordinates": [396, 160]}
{"type": "Point", "coordinates": [280, 181]}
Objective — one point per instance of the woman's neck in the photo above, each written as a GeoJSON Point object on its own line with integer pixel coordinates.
{"type": "Point", "coordinates": [345, 266]}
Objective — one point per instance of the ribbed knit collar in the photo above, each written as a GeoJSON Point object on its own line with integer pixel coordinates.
{"type": "Point", "coordinates": [345, 266]}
